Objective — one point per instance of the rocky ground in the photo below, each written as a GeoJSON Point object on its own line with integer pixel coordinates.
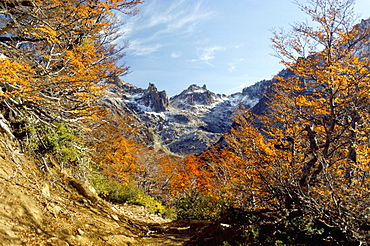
{"type": "Point", "coordinates": [40, 204]}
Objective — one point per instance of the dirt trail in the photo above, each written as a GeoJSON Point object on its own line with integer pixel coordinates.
{"type": "Point", "coordinates": [42, 205]}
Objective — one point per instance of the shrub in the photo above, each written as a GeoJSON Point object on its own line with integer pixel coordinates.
{"type": "Point", "coordinates": [130, 193]}
{"type": "Point", "coordinates": [279, 228]}
{"type": "Point", "coordinates": [199, 206]}
{"type": "Point", "coordinates": [58, 139]}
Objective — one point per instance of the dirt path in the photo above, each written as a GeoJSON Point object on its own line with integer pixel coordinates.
{"type": "Point", "coordinates": [42, 205]}
{"type": "Point", "coordinates": [159, 231]}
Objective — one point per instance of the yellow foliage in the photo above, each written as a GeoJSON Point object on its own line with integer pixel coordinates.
{"type": "Point", "coordinates": [55, 55]}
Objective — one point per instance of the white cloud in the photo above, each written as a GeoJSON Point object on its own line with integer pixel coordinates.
{"type": "Point", "coordinates": [233, 65]}
{"type": "Point", "coordinates": [176, 54]}
{"type": "Point", "coordinates": [128, 28]}
{"type": "Point", "coordinates": [238, 46]}
{"type": "Point", "coordinates": [161, 23]}
{"type": "Point", "coordinates": [208, 54]}
{"type": "Point", "coordinates": [239, 87]}
{"type": "Point", "coordinates": [139, 48]}
{"type": "Point", "coordinates": [188, 19]}
{"type": "Point", "coordinates": [161, 20]}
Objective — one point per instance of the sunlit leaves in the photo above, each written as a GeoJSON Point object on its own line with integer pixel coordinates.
{"type": "Point", "coordinates": [64, 52]}
{"type": "Point", "coordinates": [326, 102]}
{"type": "Point", "coordinates": [311, 150]}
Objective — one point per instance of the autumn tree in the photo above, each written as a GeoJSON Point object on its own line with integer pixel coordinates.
{"type": "Point", "coordinates": [194, 186]}
{"type": "Point", "coordinates": [252, 161]}
{"type": "Point", "coordinates": [56, 54]}
{"type": "Point", "coordinates": [320, 115]}
{"type": "Point", "coordinates": [311, 152]}
{"type": "Point", "coordinates": [124, 155]}
{"type": "Point", "coordinates": [158, 170]}
{"type": "Point", "coordinates": [115, 147]}
{"type": "Point", "coordinates": [240, 173]}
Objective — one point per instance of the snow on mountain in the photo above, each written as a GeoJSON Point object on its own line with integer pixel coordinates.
{"type": "Point", "coordinates": [196, 118]}
{"type": "Point", "coordinates": [190, 121]}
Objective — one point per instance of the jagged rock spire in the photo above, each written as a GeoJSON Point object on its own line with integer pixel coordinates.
{"type": "Point", "coordinates": [156, 100]}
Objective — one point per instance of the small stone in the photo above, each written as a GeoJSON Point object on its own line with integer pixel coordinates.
{"type": "Point", "coordinates": [45, 190]}
{"type": "Point", "coordinates": [80, 232]}
{"type": "Point", "coordinates": [115, 217]}
{"type": "Point", "coordinates": [54, 241]}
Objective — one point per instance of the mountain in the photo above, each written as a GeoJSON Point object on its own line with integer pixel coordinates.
{"type": "Point", "coordinates": [194, 119]}
{"type": "Point", "coordinates": [188, 122]}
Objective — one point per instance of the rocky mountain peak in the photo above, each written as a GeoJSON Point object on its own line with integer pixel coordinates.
{"type": "Point", "coordinates": [195, 89]}
{"type": "Point", "coordinates": [188, 122]}
{"type": "Point", "coordinates": [152, 87]}
{"type": "Point", "coordinates": [194, 95]}
{"type": "Point", "coordinates": [118, 82]}
{"type": "Point", "coordinates": [154, 99]}
{"type": "Point", "coordinates": [364, 23]}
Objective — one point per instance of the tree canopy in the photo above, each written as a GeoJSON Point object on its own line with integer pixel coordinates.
{"type": "Point", "coordinates": [56, 54]}
{"type": "Point", "coordinates": [312, 152]}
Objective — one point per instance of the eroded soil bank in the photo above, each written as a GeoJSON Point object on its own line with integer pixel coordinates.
{"type": "Point", "coordinates": [41, 204]}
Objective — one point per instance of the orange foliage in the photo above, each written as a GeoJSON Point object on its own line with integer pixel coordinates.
{"type": "Point", "coordinates": [124, 157]}
{"type": "Point", "coordinates": [312, 152]}
{"type": "Point", "coordinates": [55, 53]}
{"type": "Point", "coordinates": [193, 176]}
{"type": "Point", "coordinates": [157, 173]}
{"type": "Point", "coordinates": [115, 148]}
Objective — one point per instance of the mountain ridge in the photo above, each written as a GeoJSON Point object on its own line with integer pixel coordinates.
{"type": "Point", "coordinates": [192, 120]}
{"type": "Point", "coordinates": [188, 122]}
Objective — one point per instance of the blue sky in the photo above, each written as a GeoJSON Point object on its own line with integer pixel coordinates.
{"type": "Point", "coordinates": [223, 44]}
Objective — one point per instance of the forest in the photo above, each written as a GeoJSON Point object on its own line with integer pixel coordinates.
{"type": "Point", "coordinates": [298, 175]}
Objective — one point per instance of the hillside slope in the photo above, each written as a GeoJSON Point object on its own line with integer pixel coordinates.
{"type": "Point", "coordinates": [42, 205]}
